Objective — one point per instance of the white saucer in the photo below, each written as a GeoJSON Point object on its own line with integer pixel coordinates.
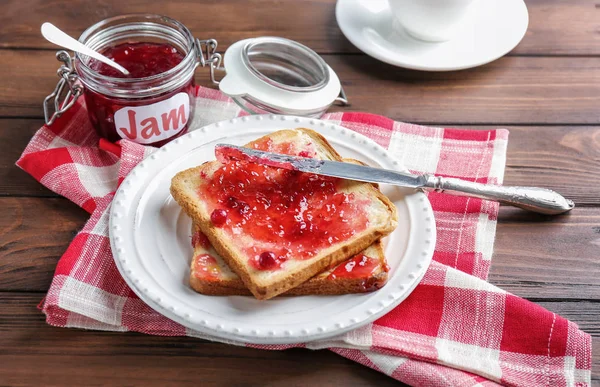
{"type": "Point", "coordinates": [498, 26]}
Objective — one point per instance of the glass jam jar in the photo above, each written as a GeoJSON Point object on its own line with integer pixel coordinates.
{"type": "Point", "coordinates": [154, 103]}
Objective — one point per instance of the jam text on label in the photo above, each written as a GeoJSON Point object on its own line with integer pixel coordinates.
{"type": "Point", "coordinates": [150, 126]}
{"type": "Point", "coordinates": [151, 123]}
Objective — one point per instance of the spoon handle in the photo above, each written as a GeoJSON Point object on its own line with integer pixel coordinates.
{"type": "Point", "coordinates": [58, 37]}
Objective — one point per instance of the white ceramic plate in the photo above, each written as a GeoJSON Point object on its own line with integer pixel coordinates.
{"type": "Point", "coordinates": [150, 240]}
{"type": "Point", "coordinates": [496, 28]}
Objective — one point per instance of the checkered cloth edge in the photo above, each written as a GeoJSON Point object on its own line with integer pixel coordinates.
{"type": "Point", "coordinates": [454, 329]}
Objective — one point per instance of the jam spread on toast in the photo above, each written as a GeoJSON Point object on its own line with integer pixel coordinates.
{"type": "Point", "coordinates": [287, 214]}
{"type": "Point", "coordinates": [199, 239]}
{"type": "Point", "coordinates": [140, 59]}
{"type": "Point", "coordinates": [359, 266]}
{"type": "Point", "coordinates": [227, 154]}
{"type": "Point", "coordinates": [206, 267]}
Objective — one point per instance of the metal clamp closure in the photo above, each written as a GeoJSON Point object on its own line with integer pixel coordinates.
{"type": "Point", "coordinates": [341, 98]}
{"type": "Point", "coordinates": [61, 99]}
{"type": "Point", "coordinates": [207, 51]}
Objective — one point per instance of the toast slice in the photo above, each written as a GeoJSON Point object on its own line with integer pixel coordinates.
{"type": "Point", "coordinates": [365, 272]}
{"type": "Point", "coordinates": [277, 228]}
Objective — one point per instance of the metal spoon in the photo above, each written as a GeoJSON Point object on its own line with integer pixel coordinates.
{"type": "Point", "coordinates": [58, 37]}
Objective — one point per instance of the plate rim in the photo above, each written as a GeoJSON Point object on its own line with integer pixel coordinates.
{"type": "Point", "coordinates": [399, 63]}
{"type": "Point", "coordinates": [116, 220]}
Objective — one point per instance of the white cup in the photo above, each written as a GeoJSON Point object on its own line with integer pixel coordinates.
{"type": "Point", "coordinates": [431, 20]}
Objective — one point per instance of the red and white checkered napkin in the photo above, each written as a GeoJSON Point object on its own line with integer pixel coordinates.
{"type": "Point", "coordinates": [454, 329]}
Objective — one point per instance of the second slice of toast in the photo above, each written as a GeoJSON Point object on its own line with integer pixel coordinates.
{"type": "Point", "coordinates": [275, 228]}
{"type": "Point", "coordinates": [365, 272]}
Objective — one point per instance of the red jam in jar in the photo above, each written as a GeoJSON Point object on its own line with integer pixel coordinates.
{"type": "Point", "coordinates": [140, 59]}
{"type": "Point", "coordinates": [153, 104]}
{"type": "Point", "coordinates": [287, 214]}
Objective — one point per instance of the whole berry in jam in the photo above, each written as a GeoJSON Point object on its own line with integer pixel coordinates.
{"type": "Point", "coordinates": [218, 217]}
{"type": "Point", "coordinates": [267, 261]}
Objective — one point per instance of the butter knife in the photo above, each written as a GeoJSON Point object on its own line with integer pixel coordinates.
{"type": "Point", "coordinates": [541, 200]}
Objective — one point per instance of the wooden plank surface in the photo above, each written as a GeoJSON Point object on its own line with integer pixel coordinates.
{"type": "Point", "coordinates": [511, 90]}
{"type": "Point", "coordinates": [556, 27]}
{"type": "Point", "coordinates": [535, 256]}
{"type": "Point", "coordinates": [563, 158]}
{"type": "Point", "coordinates": [77, 357]}
{"type": "Point", "coordinates": [34, 351]}
{"type": "Point", "coordinates": [34, 234]}
{"type": "Point", "coordinates": [548, 257]}
{"type": "Point", "coordinates": [14, 137]}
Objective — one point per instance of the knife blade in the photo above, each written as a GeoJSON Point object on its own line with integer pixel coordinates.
{"type": "Point", "coordinates": [226, 152]}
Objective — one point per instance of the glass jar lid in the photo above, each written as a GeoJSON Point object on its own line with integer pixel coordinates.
{"type": "Point", "coordinates": [285, 64]}
{"type": "Point", "coordinates": [279, 75]}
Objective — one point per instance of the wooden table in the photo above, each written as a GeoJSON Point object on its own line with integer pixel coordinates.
{"type": "Point", "coordinates": [547, 92]}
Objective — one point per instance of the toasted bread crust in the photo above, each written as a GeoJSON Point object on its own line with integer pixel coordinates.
{"type": "Point", "coordinates": [319, 287]}
{"type": "Point", "coordinates": [223, 246]}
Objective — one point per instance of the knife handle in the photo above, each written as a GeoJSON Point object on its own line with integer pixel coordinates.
{"type": "Point", "coordinates": [541, 200]}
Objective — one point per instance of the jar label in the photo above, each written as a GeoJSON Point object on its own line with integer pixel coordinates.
{"type": "Point", "coordinates": [151, 123]}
